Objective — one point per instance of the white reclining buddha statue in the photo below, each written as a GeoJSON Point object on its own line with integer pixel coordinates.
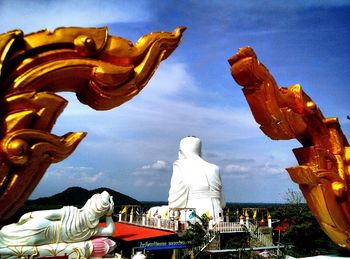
{"type": "Point", "coordinates": [67, 231]}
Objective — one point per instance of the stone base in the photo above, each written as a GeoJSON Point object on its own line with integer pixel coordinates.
{"type": "Point", "coordinates": [71, 250]}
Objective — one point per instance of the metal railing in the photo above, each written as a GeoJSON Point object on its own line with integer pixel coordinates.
{"type": "Point", "coordinates": [208, 238]}
{"type": "Point", "coordinates": [180, 226]}
{"type": "Point", "coordinates": [232, 227]}
{"type": "Point", "coordinates": [255, 231]}
{"type": "Point", "coordinates": [229, 227]}
{"type": "Point", "coordinates": [165, 224]}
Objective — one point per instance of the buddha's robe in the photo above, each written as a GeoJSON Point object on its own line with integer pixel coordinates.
{"type": "Point", "coordinates": [196, 184]}
{"type": "Point", "coordinates": [66, 225]}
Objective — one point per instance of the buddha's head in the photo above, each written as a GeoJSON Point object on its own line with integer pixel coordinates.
{"type": "Point", "coordinates": [98, 205]}
{"type": "Point", "coordinates": [190, 146]}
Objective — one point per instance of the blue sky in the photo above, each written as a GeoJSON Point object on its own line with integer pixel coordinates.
{"type": "Point", "coordinates": [131, 148]}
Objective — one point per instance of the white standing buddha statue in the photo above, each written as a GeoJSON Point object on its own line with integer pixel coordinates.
{"type": "Point", "coordinates": [196, 183]}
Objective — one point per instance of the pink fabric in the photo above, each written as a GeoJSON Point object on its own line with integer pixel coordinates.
{"type": "Point", "coordinates": [102, 246]}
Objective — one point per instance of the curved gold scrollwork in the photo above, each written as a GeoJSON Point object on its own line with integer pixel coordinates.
{"type": "Point", "coordinates": [103, 70]}
{"type": "Point", "coordinates": [324, 160]}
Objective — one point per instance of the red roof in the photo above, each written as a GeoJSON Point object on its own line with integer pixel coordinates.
{"type": "Point", "coordinates": [129, 232]}
{"type": "Point", "coordinates": [280, 228]}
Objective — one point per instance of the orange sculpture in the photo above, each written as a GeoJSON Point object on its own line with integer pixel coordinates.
{"type": "Point", "coordinates": [324, 159]}
{"type": "Point", "coordinates": [104, 71]}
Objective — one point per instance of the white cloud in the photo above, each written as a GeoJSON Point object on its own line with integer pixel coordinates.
{"type": "Point", "coordinates": [182, 118]}
{"type": "Point", "coordinates": [81, 175]}
{"type": "Point", "coordinates": [144, 184]}
{"type": "Point", "coordinates": [171, 78]}
{"type": "Point", "coordinates": [271, 169]}
{"type": "Point", "coordinates": [60, 177]}
{"type": "Point", "coordinates": [150, 176]}
{"type": "Point", "coordinates": [33, 15]}
{"type": "Point", "coordinates": [151, 185]}
{"type": "Point", "coordinates": [262, 169]}
{"type": "Point", "coordinates": [153, 169]}
{"type": "Point", "coordinates": [159, 165]}
{"type": "Point", "coordinates": [233, 168]}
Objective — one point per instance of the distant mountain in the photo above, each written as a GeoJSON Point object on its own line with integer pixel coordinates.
{"type": "Point", "coordinates": [77, 196]}
{"type": "Point", "coordinates": [73, 196]}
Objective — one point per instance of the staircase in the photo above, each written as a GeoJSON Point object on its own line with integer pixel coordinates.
{"type": "Point", "coordinates": [256, 233]}
{"type": "Point", "coordinates": [212, 238]}
{"type": "Point", "coordinates": [211, 241]}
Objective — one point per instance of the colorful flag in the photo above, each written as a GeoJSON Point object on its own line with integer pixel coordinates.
{"type": "Point", "coordinates": [206, 214]}
{"type": "Point", "coordinates": [132, 211]}
{"type": "Point", "coordinates": [254, 215]}
{"type": "Point", "coordinates": [124, 210]}
{"type": "Point", "coordinates": [166, 214]}
{"type": "Point", "coordinates": [155, 213]}
{"type": "Point", "coordinates": [192, 215]}
{"type": "Point", "coordinates": [137, 211]}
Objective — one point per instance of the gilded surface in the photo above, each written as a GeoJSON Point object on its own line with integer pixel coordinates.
{"type": "Point", "coordinates": [103, 70]}
{"type": "Point", "coordinates": [324, 159]}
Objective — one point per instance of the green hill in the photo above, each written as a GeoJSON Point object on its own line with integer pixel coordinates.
{"type": "Point", "coordinates": [77, 196]}
{"type": "Point", "coordinates": [73, 196]}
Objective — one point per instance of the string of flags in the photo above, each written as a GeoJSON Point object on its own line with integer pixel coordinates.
{"type": "Point", "coordinates": [192, 215]}
{"type": "Point", "coordinates": [165, 213]}
{"type": "Point", "coordinates": [255, 212]}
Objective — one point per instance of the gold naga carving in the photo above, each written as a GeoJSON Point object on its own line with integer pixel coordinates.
{"type": "Point", "coordinates": [324, 159]}
{"type": "Point", "coordinates": [103, 70]}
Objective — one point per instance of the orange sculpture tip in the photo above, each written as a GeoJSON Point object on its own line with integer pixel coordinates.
{"type": "Point", "coordinates": [16, 32]}
{"type": "Point", "coordinates": [338, 189]}
{"type": "Point", "coordinates": [310, 104]}
{"type": "Point", "coordinates": [179, 30]}
{"type": "Point", "coordinates": [242, 53]}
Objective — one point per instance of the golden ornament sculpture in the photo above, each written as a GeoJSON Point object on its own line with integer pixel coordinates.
{"type": "Point", "coordinates": [104, 71]}
{"type": "Point", "coordinates": [324, 159]}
